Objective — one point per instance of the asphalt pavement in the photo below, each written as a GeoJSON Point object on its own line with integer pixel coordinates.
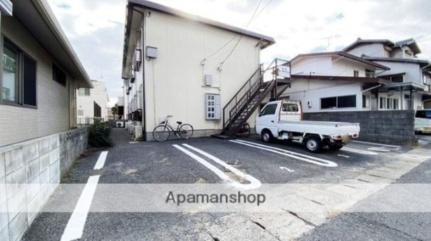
{"type": "Point", "coordinates": [276, 163]}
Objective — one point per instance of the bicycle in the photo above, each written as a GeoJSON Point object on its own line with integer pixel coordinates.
{"type": "Point", "coordinates": [163, 131]}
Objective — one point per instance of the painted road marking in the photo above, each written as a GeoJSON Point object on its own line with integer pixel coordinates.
{"type": "Point", "coordinates": [377, 144]}
{"type": "Point", "coordinates": [295, 155]}
{"type": "Point", "coordinates": [359, 151]}
{"type": "Point", "coordinates": [101, 160]}
{"type": "Point", "coordinates": [287, 169]}
{"type": "Point", "coordinates": [75, 226]}
{"type": "Point", "coordinates": [217, 171]}
{"type": "Point", "coordinates": [254, 183]}
{"type": "Point", "coordinates": [345, 156]}
{"type": "Point", "coordinates": [379, 149]}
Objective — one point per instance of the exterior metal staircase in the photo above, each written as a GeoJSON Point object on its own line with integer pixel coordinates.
{"type": "Point", "coordinates": [248, 98]}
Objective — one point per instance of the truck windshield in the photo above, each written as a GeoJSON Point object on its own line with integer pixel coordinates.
{"type": "Point", "coordinates": [423, 114]}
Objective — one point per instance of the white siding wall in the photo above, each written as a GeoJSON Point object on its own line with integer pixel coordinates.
{"type": "Point", "coordinates": [412, 70]}
{"type": "Point", "coordinates": [309, 92]}
{"type": "Point", "coordinates": [374, 50]}
{"type": "Point", "coordinates": [52, 114]}
{"type": "Point", "coordinates": [174, 81]}
{"type": "Point", "coordinates": [99, 95]}
{"type": "Point", "coordinates": [327, 66]}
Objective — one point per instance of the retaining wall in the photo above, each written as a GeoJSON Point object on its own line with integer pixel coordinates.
{"type": "Point", "coordinates": [25, 167]}
{"type": "Point", "coordinates": [389, 127]}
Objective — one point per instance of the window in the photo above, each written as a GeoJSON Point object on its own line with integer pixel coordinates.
{"type": "Point", "coordinates": [212, 102]}
{"type": "Point", "coordinates": [97, 110]}
{"type": "Point", "coordinates": [288, 107]}
{"type": "Point", "coordinates": [389, 103]}
{"type": "Point", "coordinates": [397, 79]}
{"type": "Point", "coordinates": [58, 75]}
{"type": "Point", "coordinates": [423, 114]}
{"type": "Point", "coordinates": [84, 92]}
{"type": "Point", "coordinates": [346, 101]}
{"type": "Point", "coordinates": [396, 104]}
{"type": "Point", "coordinates": [383, 103]}
{"type": "Point", "coordinates": [10, 79]}
{"type": "Point", "coordinates": [370, 73]}
{"type": "Point", "coordinates": [80, 112]}
{"type": "Point", "coordinates": [269, 110]}
{"type": "Point", "coordinates": [338, 102]}
{"type": "Point", "coordinates": [364, 101]}
{"type": "Point", "coordinates": [18, 85]}
{"type": "Point", "coordinates": [328, 103]}
{"type": "Point", "coordinates": [29, 80]}
{"type": "Point", "coordinates": [355, 73]}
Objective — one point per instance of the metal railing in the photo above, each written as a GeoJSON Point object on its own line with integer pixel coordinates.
{"type": "Point", "coordinates": [245, 94]}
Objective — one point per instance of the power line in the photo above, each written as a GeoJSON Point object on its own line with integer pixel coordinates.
{"type": "Point", "coordinates": [255, 14]}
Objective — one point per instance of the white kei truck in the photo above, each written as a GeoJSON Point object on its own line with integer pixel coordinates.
{"type": "Point", "coordinates": [282, 120]}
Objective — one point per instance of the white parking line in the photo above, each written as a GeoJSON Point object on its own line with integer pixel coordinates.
{"type": "Point", "coordinates": [75, 225]}
{"type": "Point", "coordinates": [359, 151]}
{"type": "Point", "coordinates": [377, 144]}
{"type": "Point", "coordinates": [295, 155]}
{"type": "Point", "coordinates": [254, 183]}
{"type": "Point", "coordinates": [101, 160]}
{"type": "Point", "coordinates": [287, 169]}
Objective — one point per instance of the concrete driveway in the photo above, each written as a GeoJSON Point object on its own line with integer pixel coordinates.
{"type": "Point", "coordinates": [206, 160]}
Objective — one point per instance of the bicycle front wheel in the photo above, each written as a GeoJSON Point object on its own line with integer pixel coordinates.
{"type": "Point", "coordinates": [186, 131]}
{"type": "Point", "coordinates": [161, 133]}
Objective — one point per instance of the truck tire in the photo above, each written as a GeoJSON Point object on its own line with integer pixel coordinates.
{"type": "Point", "coordinates": [313, 144]}
{"type": "Point", "coordinates": [266, 136]}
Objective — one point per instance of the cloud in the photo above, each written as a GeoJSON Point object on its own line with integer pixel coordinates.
{"type": "Point", "coordinates": [96, 27]}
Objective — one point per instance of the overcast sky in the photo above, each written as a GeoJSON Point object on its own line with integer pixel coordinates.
{"type": "Point", "coordinates": [96, 27]}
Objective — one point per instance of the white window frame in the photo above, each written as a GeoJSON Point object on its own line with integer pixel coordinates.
{"type": "Point", "coordinates": [212, 107]}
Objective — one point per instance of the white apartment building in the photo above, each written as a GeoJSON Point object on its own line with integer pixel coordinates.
{"type": "Point", "coordinates": [367, 75]}
{"type": "Point", "coordinates": [185, 66]}
{"type": "Point", "coordinates": [92, 104]}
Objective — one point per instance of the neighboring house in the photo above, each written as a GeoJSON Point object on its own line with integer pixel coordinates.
{"type": "Point", "coordinates": [185, 66]}
{"type": "Point", "coordinates": [366, 75]}
{"type": "Point", "coordinates": [40, 74]}
{"type": "Point", "coordinates": [332, 81]}
{"type": "Point", "coordinates": [409, 76]}
{"type": "Point", "coordinates": [38, 136]}
{"type": "Point", "coordinates": [92, 104]}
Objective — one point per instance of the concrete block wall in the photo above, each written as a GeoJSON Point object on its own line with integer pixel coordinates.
{"type": "Point", "coordinates": [29, 173]}
{"type": "Point", "coordinates": [72, 144]}
{"type": "Point", "coordinates": [389, 127]}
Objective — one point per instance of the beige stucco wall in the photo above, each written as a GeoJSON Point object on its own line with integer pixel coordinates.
{"type": "Point", "coordinates": [52, 114]}
{"type": "Point", "coordinates": [175, 80]}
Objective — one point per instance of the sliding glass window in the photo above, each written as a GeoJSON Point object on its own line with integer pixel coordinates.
{"type": "Point", "coordinates": [18, 79]}
{"type": "Point", "coordinates": [10, 80]}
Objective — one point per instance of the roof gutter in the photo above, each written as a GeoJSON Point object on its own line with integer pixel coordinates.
{"type": "Point", "coordinates": [6, 7]}
{"type": "Point", "coordinates": [45, 12]}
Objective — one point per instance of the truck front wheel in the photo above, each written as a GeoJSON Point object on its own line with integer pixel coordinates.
{"type": "Point", "coordinates": [313, 144]}
{"type": "Point", "coordinates": [266, 136]}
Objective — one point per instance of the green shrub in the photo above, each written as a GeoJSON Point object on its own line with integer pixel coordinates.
{"type": "Point", "coordinates": [99, 135]}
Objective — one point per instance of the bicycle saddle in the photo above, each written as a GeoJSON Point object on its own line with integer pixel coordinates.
{"type": "Point", "coordinates": [179, 122]}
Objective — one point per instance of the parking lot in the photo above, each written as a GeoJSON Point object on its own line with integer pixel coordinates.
{"type": "Point", "coordinates": [209, 160]}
